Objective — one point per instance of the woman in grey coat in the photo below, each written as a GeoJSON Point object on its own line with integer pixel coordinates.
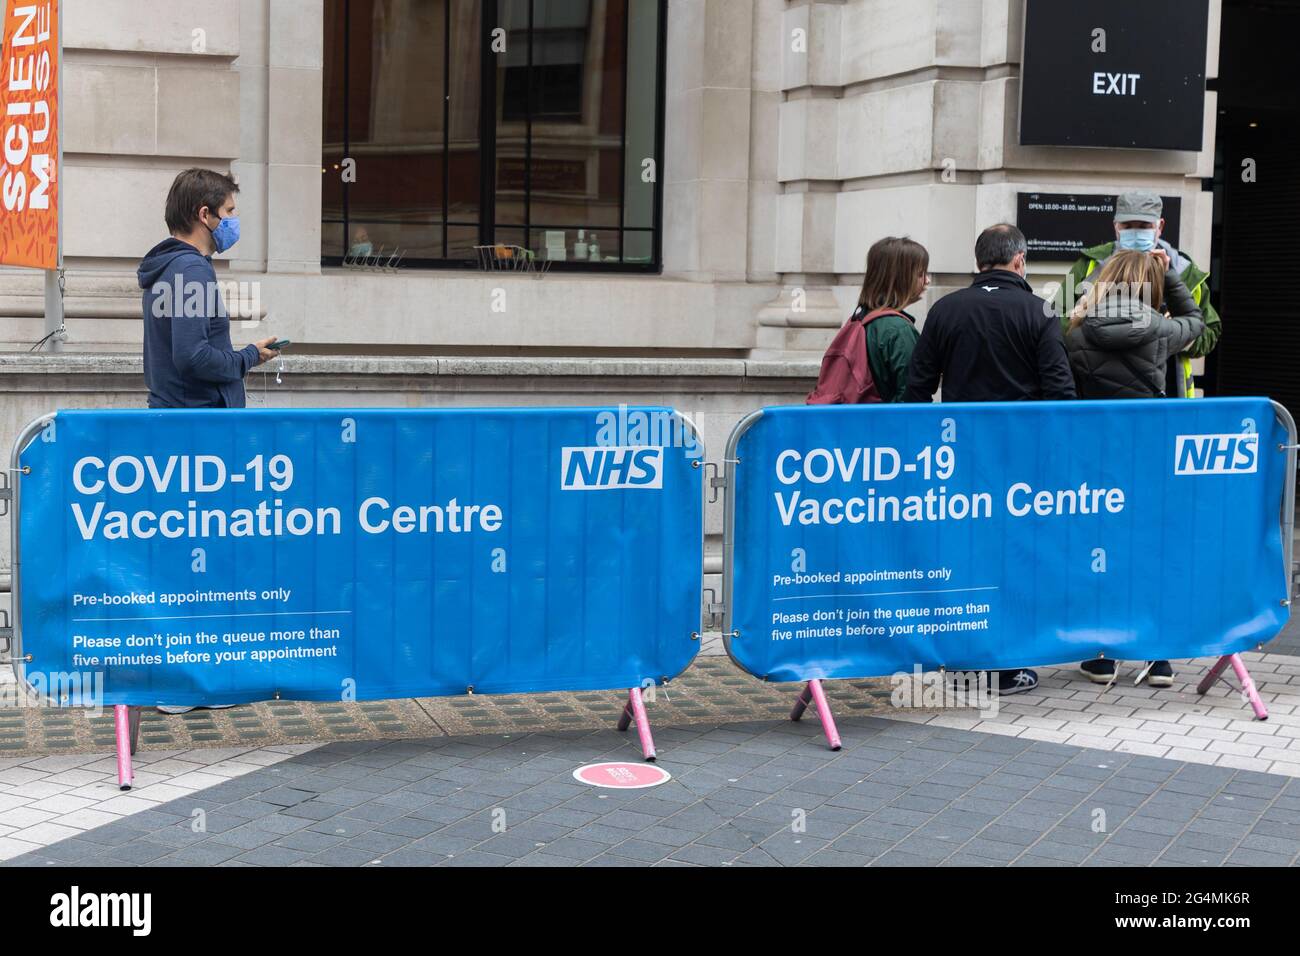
{"type": "Point", "coordinates": [1137, 315]}
{"type": "Point", "coordinates": [1123, 332]}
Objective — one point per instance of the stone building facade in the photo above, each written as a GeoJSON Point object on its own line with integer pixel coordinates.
{"type": "Point", "coordinates": [795, 133]}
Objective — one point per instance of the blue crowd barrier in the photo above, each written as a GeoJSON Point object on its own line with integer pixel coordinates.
{"type": "Point", "coordinates": [203, 557]}
{"type": "Point", "coordinates": [867, 540]}
{"type": "Point", "coordinates": [214, 557]}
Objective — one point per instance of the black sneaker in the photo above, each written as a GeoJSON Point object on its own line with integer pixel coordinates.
{"type": "Point", "coordinates": [1099, 671]}
{"type": "Point", "coordinates": [1016, 681]}
{"type": "Point", "coordinates": [169, 709]}
{"type": "Point", "coordinates": [1160, 674]}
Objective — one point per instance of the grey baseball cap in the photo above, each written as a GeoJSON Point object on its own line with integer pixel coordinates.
{"type": "Point", "coordinates": [1138, 205]}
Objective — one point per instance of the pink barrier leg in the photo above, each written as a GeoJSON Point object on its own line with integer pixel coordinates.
{"type": "Point", "coordinates": [824, 712]}
{"type": "Point", "coordinates": [1212, 675]}
{"type": "Point", "coordinates": [122, 724]}
{"type": "Point", "coordinates": [801, 704]}
{"type": "Point", "coordinates": [642, 723]}
{"type": "Point", "coordinates": [625, 718]}
{"type": "Point", "coordinates": [1248, 685]}
{"type": "Point", "coordinates": [1243, 675]}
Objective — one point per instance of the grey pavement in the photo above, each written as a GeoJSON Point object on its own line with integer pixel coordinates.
{"type": "Point", "coordinates": [761, 793]}
{"type": "Point", "coordinates": [1288, 642]}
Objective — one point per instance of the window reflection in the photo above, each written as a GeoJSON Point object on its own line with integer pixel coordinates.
{"type": "Point", "coordinates": [569, 109]}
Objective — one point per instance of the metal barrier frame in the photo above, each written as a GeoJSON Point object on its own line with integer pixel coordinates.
{"type": "Point", "coordinates": [25, 437]}
{"type": "Point", "coordinates": [634, 711]}
{"type": "Point", "coordinates": [1217, 670]}
{"type": "Point", "coordinates": [813, 692]}
{"type": "Point", "coordinates": [127, 718]}
{"type": "Point", "coordinates": [1290, 449]}
{"type": "Point", "coordinates": [729, 529]}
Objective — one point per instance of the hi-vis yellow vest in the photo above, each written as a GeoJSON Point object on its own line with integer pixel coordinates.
{"type": "Point", "coordinates": [1184, 360]}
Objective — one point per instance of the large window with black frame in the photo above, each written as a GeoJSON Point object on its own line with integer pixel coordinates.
{"type": "Point", "coordinates": [493, 133]}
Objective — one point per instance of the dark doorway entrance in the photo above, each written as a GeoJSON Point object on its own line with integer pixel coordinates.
{"type": "Point", "coordinates": [1255, 267]}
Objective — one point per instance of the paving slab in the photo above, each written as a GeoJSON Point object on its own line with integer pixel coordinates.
{"type": "Point", "coordinates": [1067, 810]}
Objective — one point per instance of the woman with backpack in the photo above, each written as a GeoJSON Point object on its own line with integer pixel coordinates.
{"type": "Point", "coordinates": [1135, 318]}
{"type": "Point", "coordinates": [867, 361]}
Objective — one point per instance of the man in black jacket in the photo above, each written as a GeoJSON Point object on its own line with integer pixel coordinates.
{"type": "Point", "coordinates": [993, 342]}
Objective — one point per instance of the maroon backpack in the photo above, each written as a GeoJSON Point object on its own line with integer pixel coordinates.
{"type": "Point", "coordinates": [845, 377]}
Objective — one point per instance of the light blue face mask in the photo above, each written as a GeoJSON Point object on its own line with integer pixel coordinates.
{"type": "Point", "coordinates": [226, 234]}
{"type": "Point", "coordinates": [1143, 240]}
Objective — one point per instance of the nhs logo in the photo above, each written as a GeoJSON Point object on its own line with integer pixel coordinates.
{"type": "Point", "coordinates": [608, 466]}
{"type": "Point", "coordinates": [1216, 454]}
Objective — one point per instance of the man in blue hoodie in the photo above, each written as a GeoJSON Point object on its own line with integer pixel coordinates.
{"type": "Point", "coordinates": [188, 359]}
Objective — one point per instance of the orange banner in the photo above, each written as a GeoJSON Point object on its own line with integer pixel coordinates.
{"type": "Point", "coordinates": [29, 134]}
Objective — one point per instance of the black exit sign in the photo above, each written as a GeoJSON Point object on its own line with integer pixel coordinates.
{"type": "Point", "coordinates": [1114, 73]}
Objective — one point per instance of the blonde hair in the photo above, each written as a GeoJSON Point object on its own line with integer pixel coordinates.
{"type": "Point", "coordinates": [1130, 270]}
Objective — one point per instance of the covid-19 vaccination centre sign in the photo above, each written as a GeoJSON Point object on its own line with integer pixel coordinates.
{"type": "Point", "coordinates": [865, 540]}
{"type": "Point", "coordinates": [199, 557]}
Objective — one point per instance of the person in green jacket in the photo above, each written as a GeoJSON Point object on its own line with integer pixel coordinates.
{"type": "Point", "coordinates": [1139, 222]}
{"type": "Point", "coordinates": [898, 273]}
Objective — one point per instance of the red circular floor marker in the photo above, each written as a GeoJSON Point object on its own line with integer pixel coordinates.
{"type": "Point", "coordinates": [622, 776]}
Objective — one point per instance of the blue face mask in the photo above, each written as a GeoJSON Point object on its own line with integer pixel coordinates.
{"type": "Point", "coordinates": [1143, 240]}
{"type": "Point", "coordinates": [226, 234]}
